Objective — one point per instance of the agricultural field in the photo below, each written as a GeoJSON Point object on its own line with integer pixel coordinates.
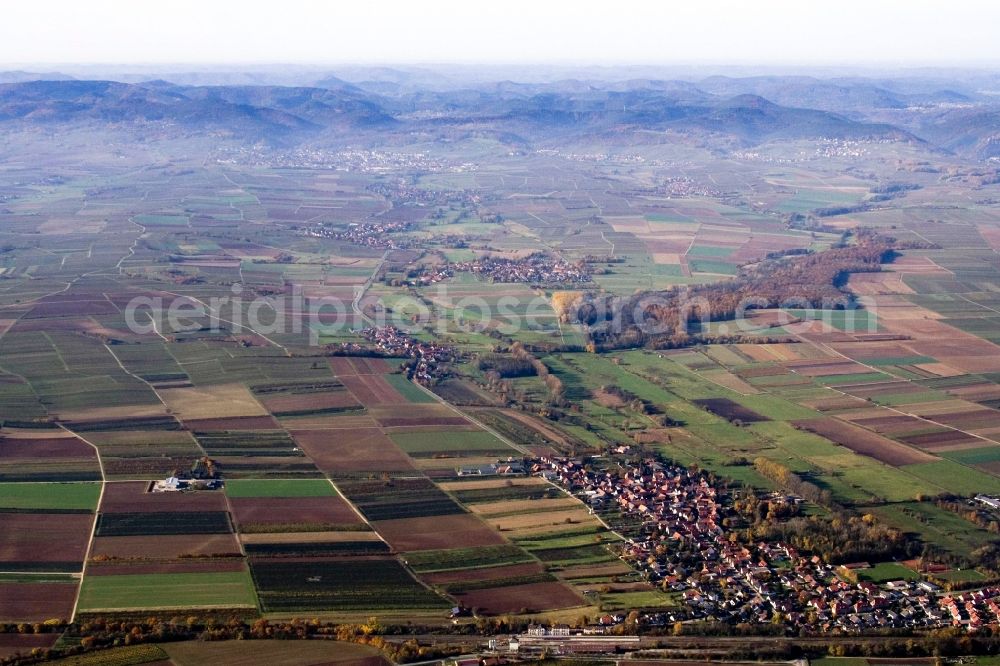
{"type": "Point", "coordinates": [330, 584]}
{"type": "Point", "coordinates": [41, 496]}
{"type": "Point", "coordinates": [166, 591]}
{"type": "Point", "coordinates": [430, 444]}
{"type": "Point", "coordinates": [277, 653]}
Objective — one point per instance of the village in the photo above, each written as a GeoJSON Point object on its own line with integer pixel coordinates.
{"type": "Point", "coordinates": [371, 234]}
{"type": "Point", "coordinates": [680, 545]}
{"type": "Point", "coordinates": [536, 268]}
{"type": "Point", "coordinates": [428, 356]}
{"type": "Point", "coordinates": [356, 161]}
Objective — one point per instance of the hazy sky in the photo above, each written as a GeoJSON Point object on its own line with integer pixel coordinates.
{"type": "Point", "coordinates": [800, 32]}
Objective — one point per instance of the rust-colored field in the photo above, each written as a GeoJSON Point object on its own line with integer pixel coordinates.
{"type": "Point", "coordinates": [835, 403]}
{"type": "Point", "coordinates": [44, 537]}
{"type": "Point", "coordinates": [343, 451]}
{"type": "Point", "coordinates": [947, 344]}
{"type": "Point", "coordinates": [533, 597]}
{"type": "Point", "coordinates": [328, 422]}
{"type": "Point", "coordinates": [188, 565]}
{"type": "Point", "coordinates": [942, 441]}
{"type": "Point", "coordinates": [341, 365]}
{"type": "Point", "coordinates": [131, 496]}
{"type": "Point", "coordinates": [20, 447]}
{"type": "Point", "coordinates": [435, 532]}
{"type": "Point", "coordinates": [826, 368]}
{"type": "Point", "coordinates": [889, 425]}
{"type": "Point", "coordinates": [331, 510]}
{"type": "Point", "coordinates": [11, 644]}
{"type": "Point", "coordinates": [975, 419]}
{"type": "Point", "coordinates": [309, 537]}
{"type": "Point", "coordinates": [165, 546]}
{"type": "Point", "coordinates": [232, 423]}
{"type": "Point", "coordinates": [364, 365]}
{"type": "Point", "coordinates": [866, 443]}
{"type": "Point", "coordinates": [372, 390]}
{"type": "Point", "coordinates": [34, 602]}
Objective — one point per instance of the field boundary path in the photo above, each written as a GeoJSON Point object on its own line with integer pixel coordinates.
{"type": "Point", "coordinates": [360, 293]}
{"type": "Point", "coordinates": [93, 527]}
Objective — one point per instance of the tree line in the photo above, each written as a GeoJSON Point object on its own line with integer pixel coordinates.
{"type": "Point", "coordinates": [664, 319]}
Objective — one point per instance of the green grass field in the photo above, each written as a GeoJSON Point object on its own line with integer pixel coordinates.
{"type": "Point", "coordinates": [407, 389]}
{"type": "Point", "coordinates": [978, 456]}
{"type": "Point", "coordinates": [886, 571]}
{"type": "Point", "coordinates": [162, 220]}
{"type": "Point", "coordinates": [76, 496]}
{"type": "Point", "coordinates": [279, 488]}
{"type": "Point", "coordinates": [152, 591]}
{"type": "Point", "coordinates": [856, 320]}
{"type": "Point", "coordinates": [955, 477]}
{"type": "Point", "coordinates": [961, 576]}
{"type": "Point", "coordinates": [710, 266]}
{"type": "Point", "coordinates": [613, 601]}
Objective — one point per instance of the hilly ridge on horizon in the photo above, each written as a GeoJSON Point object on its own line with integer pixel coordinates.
{"type": "Point", "coordinates": [741, 112]}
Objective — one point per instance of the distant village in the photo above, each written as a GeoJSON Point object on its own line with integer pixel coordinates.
{"type": "Point", "coordinates": [370, 234]}
{"type": "Point", "coordinates": [356, 161]}
{"type": "Point", "coordinates": [536, 268]}
{"type": "Point", "coordinates": [428, 356]}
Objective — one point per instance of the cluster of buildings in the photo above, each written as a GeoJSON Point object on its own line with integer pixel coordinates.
{"type": "Point", "coordinates": [407, 192]}
{"type": "Point", "coordinates": [536, 268]}
{"type": "Point", "coordinates": [605, 158]}
{"type": "Point", "coordinates": [684, 186]}
{"type": "Point", "coordinates": [429, 356]}
{"type": "Point", "coordinates": [601, 158]}
{"type": "Point", "coordinates": [371, 234]}
{"type": "Point", "coordinates": [432, 275]}
{"type": "Point", "coordinates": [827, 148]}
{"type": "Point", "coordinates": [854, 148]}
{"type": "Point", "coordinates": [358, 161]}
{"type": "Point", "coordinates": [560, 639]}
{"type": "Point", "coordinates": [509, 467]}
{"type": "Point", "coordinates": [682, 544]}
{"type": "Point", "coordinates": [974, 609]}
